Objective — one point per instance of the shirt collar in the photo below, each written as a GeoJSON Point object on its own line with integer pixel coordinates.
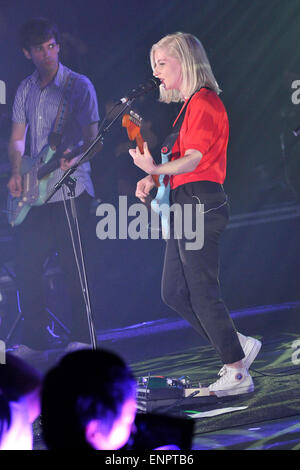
{"type": "Point", "coordinates": [58, 79]}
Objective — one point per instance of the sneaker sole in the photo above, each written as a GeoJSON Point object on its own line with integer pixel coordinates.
{"type": "Point", "coordinates": [31, 355]}
{"type": "Point", "coordinates": [253, 353]}
{"type": "Point", "coordinates": [235, 391]}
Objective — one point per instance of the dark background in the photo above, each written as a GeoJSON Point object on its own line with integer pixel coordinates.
{"type": "Point", "coordinates": [253, 46]}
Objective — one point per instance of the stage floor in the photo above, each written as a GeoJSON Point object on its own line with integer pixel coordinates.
{"type": "Point", "coordinates": [268, 418]}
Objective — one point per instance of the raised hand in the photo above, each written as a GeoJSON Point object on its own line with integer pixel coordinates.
{"type": "Point", "coordinates": [144, 160]}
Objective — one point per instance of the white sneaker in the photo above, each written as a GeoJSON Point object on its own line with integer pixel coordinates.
{"type": "Point", "coordinates": [24, 352]}
{"type": "Point", "coordinates": [76, 346]}
{"type": "Point", "coordinates": [251, 348]}
{"type": "Point", "coordinates": [233, 382]}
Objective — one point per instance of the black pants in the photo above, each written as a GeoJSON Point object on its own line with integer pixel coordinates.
{"type": "Point", "coordinates": [190, 283]}
{"type": "Point", "coordinates": [44, 230]}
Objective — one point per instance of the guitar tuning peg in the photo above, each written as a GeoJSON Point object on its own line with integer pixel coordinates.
{"type": "Point", "coordinates": [135, 115]}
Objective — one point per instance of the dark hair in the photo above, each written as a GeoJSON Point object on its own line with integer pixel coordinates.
{"type": "Point", "coordinates": [85, 385]}
{"type": "Point", "coordinates": [5, 415]}
{"type": "Point", "coordinates": [18, 378]}
{"type": "Point", "coordinates": [37, 31]}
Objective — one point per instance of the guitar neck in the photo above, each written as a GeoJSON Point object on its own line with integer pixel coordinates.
{"type": "Point", "coordinates": [47, 168]}
{"type": "Point", "coordinates": [140, 142]}
{"type": "Point", "coordinates": [54, 163]}
{"type": "Point", "coordinates": [132, 124]}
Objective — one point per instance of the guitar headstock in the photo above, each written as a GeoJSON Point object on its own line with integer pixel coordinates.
{"type": "Point", "coordinates": [132, 122]}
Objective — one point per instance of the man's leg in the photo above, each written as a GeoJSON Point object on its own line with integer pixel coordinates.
{"type": "Point", "coordinates": [32, 245]}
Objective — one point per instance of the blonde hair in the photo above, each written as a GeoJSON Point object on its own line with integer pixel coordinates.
{"type": "Point", "coordinates": [195, 66]}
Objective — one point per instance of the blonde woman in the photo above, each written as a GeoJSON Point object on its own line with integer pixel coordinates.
{"type": "Point", "coordinates": [197, 170]}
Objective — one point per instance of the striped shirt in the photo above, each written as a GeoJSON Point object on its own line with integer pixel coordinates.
{"type": "Point", "coordinates": [37, 108]}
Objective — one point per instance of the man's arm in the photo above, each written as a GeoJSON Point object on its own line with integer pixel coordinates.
{"type": "Point", "coordinates": [16, 149]}
{"type": "Point", "coordinates": [89, 133]}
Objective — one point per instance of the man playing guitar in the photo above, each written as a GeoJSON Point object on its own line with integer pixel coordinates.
{"type": "Point", "coordinates": [37, 106]}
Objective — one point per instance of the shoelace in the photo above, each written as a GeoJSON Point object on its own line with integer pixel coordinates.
{"type": "Point", "coordinates": [223, 376]}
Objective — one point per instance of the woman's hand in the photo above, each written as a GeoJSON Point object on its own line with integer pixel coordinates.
{"type": "Point", "coordinates": [144, 160]}
{"type": "Point", "coordinates": [144, 187]}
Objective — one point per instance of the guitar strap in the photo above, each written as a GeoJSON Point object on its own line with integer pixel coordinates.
{"type": "Point", "coordinates": [170, 140]}
{"type": "Point", "coordinates": [55, 137]}
{"type": "Point", "coordinates": [161, 203]}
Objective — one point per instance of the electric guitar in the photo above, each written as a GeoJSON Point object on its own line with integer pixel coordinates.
{"type": "Point", "coordinates": [161, 203]}
{"type": "Point", "coordinates": [34, 172]}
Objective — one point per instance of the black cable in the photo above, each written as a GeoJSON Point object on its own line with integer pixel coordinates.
{"type": "Point", "coordinates": [101, 125]}
{"type": "Point", "coordinates": [296, 370]}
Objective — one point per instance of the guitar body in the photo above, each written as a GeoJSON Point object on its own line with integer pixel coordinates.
{"type": "Point", "coordinates": [34, 189]}
{"type": "Point", "coordinates": [161, 203]}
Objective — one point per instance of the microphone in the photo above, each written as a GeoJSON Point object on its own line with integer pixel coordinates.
{"type": "Point", "coordinates": [141, 90]}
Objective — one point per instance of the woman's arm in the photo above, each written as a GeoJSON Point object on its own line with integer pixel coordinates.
{"type": "Point", "coordinates": [187, 163]}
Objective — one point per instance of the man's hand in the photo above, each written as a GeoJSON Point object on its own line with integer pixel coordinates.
{"type": "Point", "coordinates": [15, 185]}
{"type": "Point", "coordinates": [66, 164]}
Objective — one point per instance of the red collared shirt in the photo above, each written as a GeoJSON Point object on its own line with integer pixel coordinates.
{"type": "Point", "coordinates": [205, 128]}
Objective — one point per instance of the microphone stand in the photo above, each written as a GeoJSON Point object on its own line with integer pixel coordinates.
{"type": "Point", "coordinates": [70, 182]}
